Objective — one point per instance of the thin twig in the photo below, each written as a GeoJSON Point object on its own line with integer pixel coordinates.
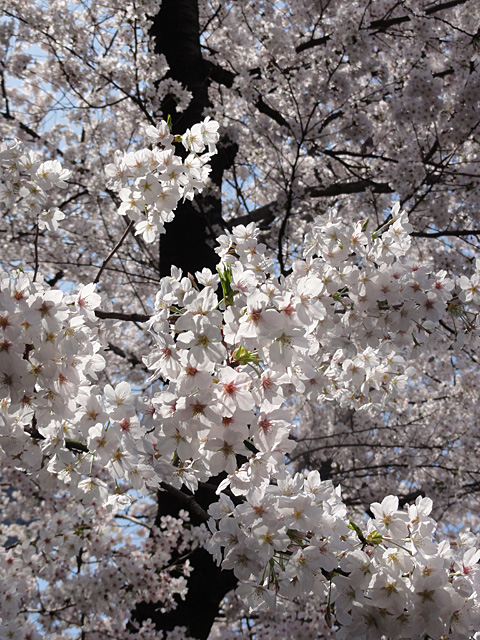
{"type": "Point", "coordinates": [113, 252]}
{"type": "Point", "coordinates": [123, 516]}
{"type": "Point", "coordinates": [35, 248]}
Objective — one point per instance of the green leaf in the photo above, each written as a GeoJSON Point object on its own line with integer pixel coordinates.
{"type": "Point", "coordinates": [226, 282]}
{"type": "Point", "coordinates": [357, 530]}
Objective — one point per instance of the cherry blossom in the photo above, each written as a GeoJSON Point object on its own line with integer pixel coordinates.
{"type": "Point", "coordinates": [239, 320]}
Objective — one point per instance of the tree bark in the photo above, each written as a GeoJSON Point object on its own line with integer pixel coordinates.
{"type": "Point", "coordinates": [188, 244]}
{"type": "Point", "coordinates": [207, 585]}
{"type": "Point", "coordinates": [190, 239]}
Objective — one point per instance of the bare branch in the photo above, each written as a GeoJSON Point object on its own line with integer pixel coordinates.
{"type": "Point", "coordinates": [266, 214]}
{"type": "Point", "coordinates": [118, 315]}
{"type": "Point", "coordinates": [390, 22]}
{"type": "Point", "coordinates": [113, 252]}
{"type": "Point", "coordinates": [453, 233]}
{"type": "Point", "coordinates": [131, 357]}
{"type": "Point", "coordinates": [315, 42]}
{"type": "Point", "coordinates": [191, 503]}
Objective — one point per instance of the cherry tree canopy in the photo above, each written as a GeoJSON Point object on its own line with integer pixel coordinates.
{"type": "Point", "coordinates": [239, 298]}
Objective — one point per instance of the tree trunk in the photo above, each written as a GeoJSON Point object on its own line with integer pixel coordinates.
{"type": "Point", "coordinates": [188, 244]}
{"type": "Point", "coordinates": [190, 239]}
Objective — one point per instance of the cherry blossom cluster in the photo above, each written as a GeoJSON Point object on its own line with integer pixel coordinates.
{"type": "Point", "coordinates": [62, 570]}
{"type": "Point", "coordinates": [382, 117]}
{"type": "Point", "coordinates": [25, 183]}
{"type": "Point", "coordinates": [303, 618]}
{"type": "Point", "coordinates": [50, 352]}
{"type": "Point", "coordinates": [388, 578]}
{"type": "Point", "coordinates": [151, 182]}
{"type": "Point", "coordinates": [228, 366]}
{"type": "Point", "coordinates": [224, 371]}
{"type": "Point", "coordinates": [352, 101]}
{"type": "Point", "coordinates": [338, 328]}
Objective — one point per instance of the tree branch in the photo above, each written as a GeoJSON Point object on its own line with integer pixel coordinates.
{"type": "Point", "coordinates": [131, 357]}
{"type": "Point", "coordinates": [389, 22]}
{"type": "Point", "coordinates": [315, 42]}
{"type": "Point", "coordinates": [272, 113]}
{"type": "Point", "coordinates": [349, 187]}
{"type": "Point", "coordinates": [113, 252]}
{"type": "Point", "coordinates": [189, 501]}
{"type": "Point", "coordinates": [454, 233]}
{"type": "Point", "coordinates": [266, 212]}
{"type": "Point", "coordinates": [118, 315]}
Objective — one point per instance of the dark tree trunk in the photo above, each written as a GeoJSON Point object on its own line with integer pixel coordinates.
{"type": "Point", "coordinates": [188, 244]}
{"type": "Point", "coordinates": [199, 609]}
{"type": "Point", "coordinates": [207, 585]}
{"type": "Point", "coordinates": [190, 238]}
